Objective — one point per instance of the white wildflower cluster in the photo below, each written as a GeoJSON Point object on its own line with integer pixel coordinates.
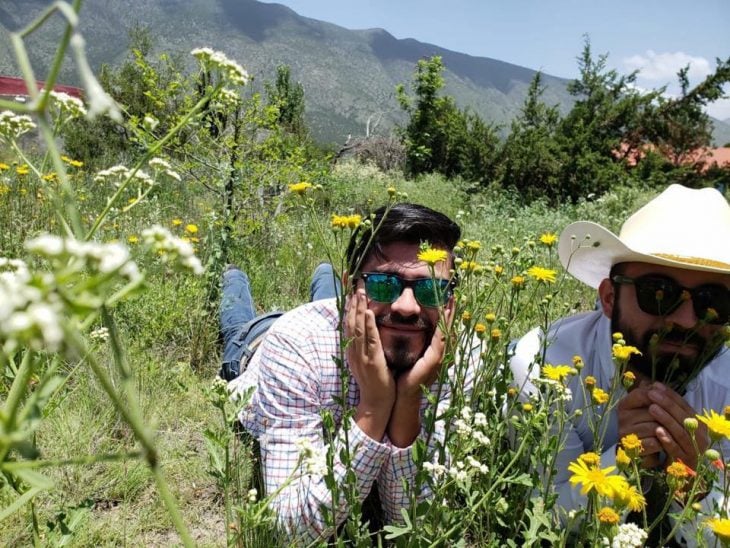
{"type": "Point", "coordinates": [100, 334]}
{"type": "Point", "coordinates": [150, 123]}
{"type": "Point", "coordinates": [67, 105]}
{"type": "Point", "coordinates": [476, 465]}
{"type": "Point", "coordinates": [458, 472]}
{"type": "Point", "coordinates": [119, 174]}
{"type": "Point", "coordinates": [159, 165]}
{"type": "Point", "coordinates": [471, 425]}
{"type": "Point", "coordinates": [229, 69]}
{"type": "Point", "coordinates": [436, 469]}
{"type": "Point", "coordinates": [102, 258]}
{"type": "Point", "coordinates": [629, 535]}
{"type": "Point", "coordinates": [252, 495]}
{"type": "Point", "coordinates": [227, 100]}
{"type": "Point", "coordinates": [14, 125]}
{"type": "Point", "coordinates": [563, 392]}
{"type": "Point", "coordinates": [172, 249]}
{"type": "Point", "coordinates": [314, 462]}
{"type": "Point", "coordinates": [29, 316]}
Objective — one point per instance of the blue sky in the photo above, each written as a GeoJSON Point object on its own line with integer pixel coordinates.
{"type": "Point", "coordinates": [656, 36]}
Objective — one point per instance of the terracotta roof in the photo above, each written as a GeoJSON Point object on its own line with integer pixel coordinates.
{"type": "Point", "coordinates": [10, 86]}
{"type": "Point", "coordinates": [707, 156]}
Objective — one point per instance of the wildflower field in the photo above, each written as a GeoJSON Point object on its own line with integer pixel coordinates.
{"type": "Point", "coordinates": [113, 427]}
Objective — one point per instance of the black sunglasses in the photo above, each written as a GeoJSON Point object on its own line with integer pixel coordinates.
{"type": "Point", "coordinates": [660, 295]}
{"type": "Point", "coordinates": [383, 287]}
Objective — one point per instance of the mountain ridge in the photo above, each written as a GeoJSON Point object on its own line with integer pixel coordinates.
{"type": "Point", "coordinates": [349, 76]}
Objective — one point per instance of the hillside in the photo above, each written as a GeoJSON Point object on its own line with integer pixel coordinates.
{"type": "Point", "coordinates": [349, 76]}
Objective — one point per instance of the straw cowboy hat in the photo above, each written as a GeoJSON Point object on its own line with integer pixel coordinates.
{"type": "Point", "coordinates": [681, 227]}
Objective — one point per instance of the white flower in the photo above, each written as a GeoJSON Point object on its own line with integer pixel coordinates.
{"type": "Point", "coordinates": [629, 535]}
{"type": "Point", "coordinates": [480, 419]}
{"type": "Point", "coordinates": [474, 463]}
{"type": "Point", "coordinates": [150, 123]}
{"type": "Point", "coordinates": [481, 438]}
{"type": "Point", "coordinates": [436, 469]}
{"type": "Point", "coordinates": [251, 495]}
{"type": "Point", "coordinates": [172, 249]}
{"type": "Point", "coordinates": [229, 69]}
{"type": "Point", "coordinates": [462, 427]}
{"type": "Point", "coordinates": [466, 413]}
{"type": "Point", "coordinates": [14, 125]}
{"type": "Point", "coordinates": [72, 107]}
{"type": "Point", "coordinates": [162, 166]}
{"type": "Point", "coordinates": [101, 334]}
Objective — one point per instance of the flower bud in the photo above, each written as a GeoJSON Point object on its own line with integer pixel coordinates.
{"type": "Point", "coordinates": [691, 424]}
{"type": "Point", "coordinates": [712, 455]}
{"type": "Point", "coordinates": [628, 379]}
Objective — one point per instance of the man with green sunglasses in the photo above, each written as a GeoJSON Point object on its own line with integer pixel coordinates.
{"type": "Point", "coordinates": [392, 310]}
{"type": "Point", "coordinates": [664, 285]}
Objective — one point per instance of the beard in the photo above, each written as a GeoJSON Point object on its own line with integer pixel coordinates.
{"type": "Point", "coordinates": [673, 369]}
{"type": "Point", "coordinates": [402, 352]}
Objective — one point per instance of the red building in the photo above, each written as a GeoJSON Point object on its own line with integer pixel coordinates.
{"type": "Point", "coordinates": [15, 87]}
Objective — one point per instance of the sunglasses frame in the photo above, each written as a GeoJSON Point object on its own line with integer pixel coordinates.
{"type": "Point", "coordinates": [446, 288]}
{"type": "Point", "coordinates": [699, 302]}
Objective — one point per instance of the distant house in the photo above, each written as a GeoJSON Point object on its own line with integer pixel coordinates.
{"type": "Point", "coordinates": [704, 158]}
{"type": "Point", "coordinates": [11, 88]}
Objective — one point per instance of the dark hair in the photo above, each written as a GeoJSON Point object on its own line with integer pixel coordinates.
{"type": "Point", "coordinates": [403, 222]}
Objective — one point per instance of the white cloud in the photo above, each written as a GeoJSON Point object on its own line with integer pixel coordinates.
{"type": "Point", "coordinates": [662, 68]}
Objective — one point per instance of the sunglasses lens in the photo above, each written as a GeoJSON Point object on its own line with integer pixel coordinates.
{"type": "Point", "coordinates": [431, 293]}
{"type": "Point", "coordinates": [383, 288]}
{"type": "Point", "coordinates": [657, 296]}
{"type": "Point", "coordinates": [712, 303]}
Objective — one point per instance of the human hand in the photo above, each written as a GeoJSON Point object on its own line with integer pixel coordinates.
{"type": "Point", "coordinates": [426, 369]}
{"type": "Point", "coordinates": [634, 418]}
{"type": "Point", "coordinates": [368, 366]}
{"type": "Point", "coordinates": [669, 410]}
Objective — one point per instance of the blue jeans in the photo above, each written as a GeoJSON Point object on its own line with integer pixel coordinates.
{"type": "Point", "coordinates": [241, 329]}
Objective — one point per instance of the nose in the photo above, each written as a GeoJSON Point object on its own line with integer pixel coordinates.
{"type": "Point", "coordinates": [406, 305]}
{"type": "Point", "coordinates": [684, 315]}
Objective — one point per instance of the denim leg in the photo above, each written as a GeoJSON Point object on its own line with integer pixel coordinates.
{"type": "Point", "coordinates": [325, 283]}
{"type": "Point", "coordinates": [236, 309]}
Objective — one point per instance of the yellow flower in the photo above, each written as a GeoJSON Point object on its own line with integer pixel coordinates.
{"type": "Point", "coordinates": [527, 407]}
{"type": "Point", "coordinates": [71, 162]}
{"type": "Point", "coordinates": [628, 379]}
{"type": "Point", "coordinates": [518, 282]}
{"type": "Point", "coordinates": [599, 396]}
{"type": "Point", "coordinates": [433, 256]}
{"type": "Point", "coordinates": [557, 372]}
{"type": "Point", "coordinates": [191, 229]}
{"type": "Point", "coordinates": [490, 317]}
{"type": "Point", "coordinates": [466, 317]}
{"type": "Point", "coordinates": [678, 470]}
{"type": "Point", "coordinates": [542, 274]}
{"type": "Point", "coordinates": [623, 461]}
{"type": "Point", "coordinates": [132, 239]}
{"type": "Point", "coordinates": [50, 177]}
{"type": "Point", "coordinates": [718, 425]}
{"type": "Point", "coordinates": [496, 334]}
{"type": "Point", "coordinates": [300, 188]}
{"type": "Point", "coordinates": [473, 245]}
{"type": "Point", "coordinates": [590, 458]}
{"type": "Point", "coordinates": [469, 266]}
{"type": "Point", "coordinates": [632, 444]}
{"type": "Point", "coordinates": [623, 352]}
{"type": "Point", "coordinates": [3, 166]}
{"type": "Point", "coordinates": [4, 189]}
{"type": "Point", "coordinates": [498, 270]}
{"type": "Point", "coordinates": [721, 528]}
{"type": "Point", "coordinates": [593, 478]}
{"type": "Point", "coordinates": [608, 516]}
{"type": "Point", "coordinates": [549, 239]}
{"type": "Point", "coordinates": [628, 496]}
{"type": "Point", "coordinates": [176, 222]}
{"type": "Point", "coordinates": [617, 336]}
{"type": "Point", "coordinates": [22, 170]}
{"type": "Point", "coordinates": [480, 329]}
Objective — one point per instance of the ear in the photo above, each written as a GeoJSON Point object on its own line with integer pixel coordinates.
{"type": "Point", "coordinates": [607, 296]}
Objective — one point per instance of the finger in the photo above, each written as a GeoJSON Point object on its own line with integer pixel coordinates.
{"type": "Point", "coordinates": [639, 397]}
{"type": "Point", "coordinates": [672, 428]}
{"type": "Point", "coordinates": [650, 445]}
{"type": "Point", "coordinates": [672, 447]}
{"type": "Point", "coordinates": [373, 347]}
{"type": "Point", "coordinates": [642, 430]}
{"type": "Point", "coordinates": [672, 402]}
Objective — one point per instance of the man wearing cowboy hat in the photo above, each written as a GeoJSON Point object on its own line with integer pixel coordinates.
{"type": "Point", "coordinates": [664, 284]}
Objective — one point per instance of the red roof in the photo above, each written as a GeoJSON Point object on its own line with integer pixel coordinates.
{"type": "Point", "coordinates": [17, 87]}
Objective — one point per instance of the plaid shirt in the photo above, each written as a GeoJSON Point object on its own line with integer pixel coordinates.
{"type": "Point", "coordinates": [296, 379]}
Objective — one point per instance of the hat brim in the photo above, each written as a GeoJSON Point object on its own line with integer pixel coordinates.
{"type": "Point", "coordinates": [588, 251]}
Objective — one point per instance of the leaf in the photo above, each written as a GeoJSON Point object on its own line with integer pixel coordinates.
{"type": "Point", "coordinates": [19, 502]}
{"type": "Point", "coordinates": [33, 478]}
{"type": "Point", "coordinates": [395, 531]}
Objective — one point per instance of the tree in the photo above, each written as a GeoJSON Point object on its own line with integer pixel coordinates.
{"type": "Point", "coordinates": [607, 115]}
{"type": "Point", "coordinates": [531, 157]}
{"type": "Point", "coordinates": [289, 99]}
{"type": "Point", "coordinates": [440, 137]}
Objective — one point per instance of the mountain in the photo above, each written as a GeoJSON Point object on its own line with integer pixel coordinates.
{"type": "Point", "coordinates": [349, 76]}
